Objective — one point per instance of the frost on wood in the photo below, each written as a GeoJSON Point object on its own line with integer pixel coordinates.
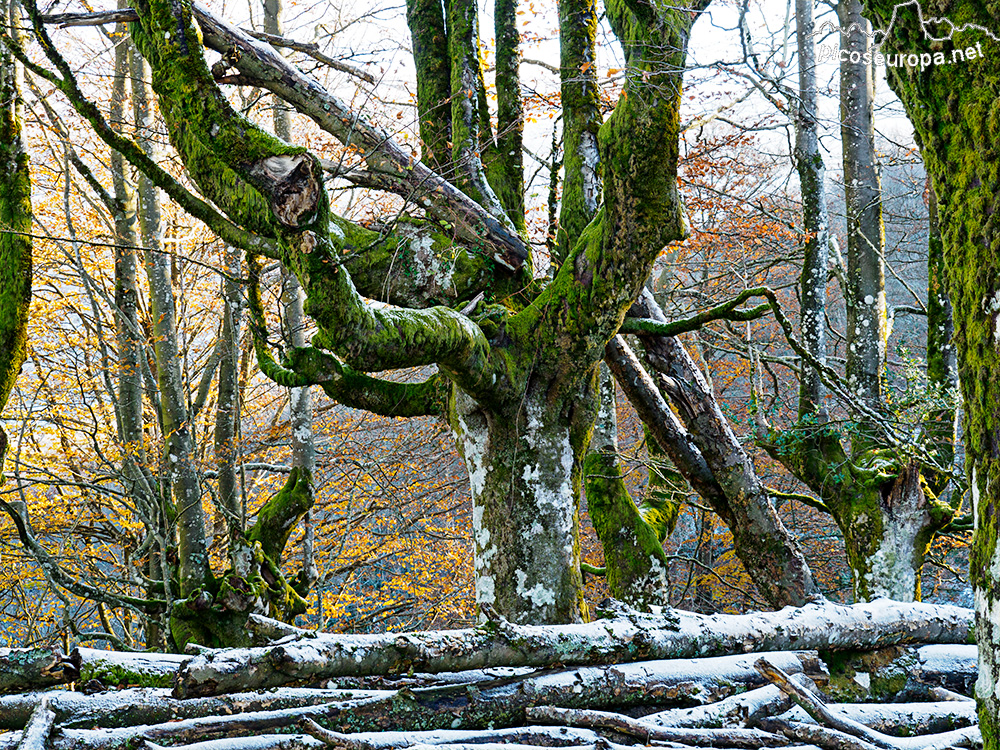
{"type": "Point", "coordinates": [709, 701]}
{"type": "Point", "coordinates": [672, 635]}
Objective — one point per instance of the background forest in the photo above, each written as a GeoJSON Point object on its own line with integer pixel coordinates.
{"type": "Point", "coordinates": [388, 541]}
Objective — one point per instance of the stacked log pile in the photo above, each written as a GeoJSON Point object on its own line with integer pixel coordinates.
{"type": "Point", "coordinates": [669, 679]}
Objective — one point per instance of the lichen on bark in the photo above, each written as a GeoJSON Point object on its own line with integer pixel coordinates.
{"type": "Point", "coordinates": [15, 240]}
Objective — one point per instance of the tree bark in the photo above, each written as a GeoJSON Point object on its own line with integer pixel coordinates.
{"type": "Point", "coordinates": [815, 222]}
{"type": "Point", "coordinates": [867, 322]}
{"type": "Point", "coordinates": [634, 560]}
{"type": "Point", "coordinates": [16, 216]}
{"type": "Point", "coordinates": [581, 112]}
{"type": "Point", "coordinates": [766, 549]}
{"type": "Point", "coordinates": [135, 706]}
{"type": "Point", "coordinates": [823, 625]}
{"type": "Point", "coordinates": [642, 730]}
{"type": "Point", "coordinates": [26, 669]}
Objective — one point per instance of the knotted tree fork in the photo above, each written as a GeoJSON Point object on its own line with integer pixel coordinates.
{"type": "Point", "coordinates": [523, 381]}
{"type": "Point", "coordinates": [369, 256]}
{"type": "Point", "coordinates": [954, 112]}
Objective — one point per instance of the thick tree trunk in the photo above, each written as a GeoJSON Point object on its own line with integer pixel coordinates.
{"type": "Point", "coordinates": [681, 634]}
{"type": "Point", "coordinates": [886, 552]}
{"type": "Point", "coordinates": [525, 472]}
{"type": "Point", "coordinates": [942, 360]}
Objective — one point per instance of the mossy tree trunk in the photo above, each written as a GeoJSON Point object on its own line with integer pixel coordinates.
{"type": "Point", "coordinates": [942, 361]}
{"type": "Point", "coordinates": [955, 111]}
{"type": "Point", "coordinates": [524, 385]}
{"type": "Point", "coordinates": [879, 499]}
{"type": "Point", "coordinates": [631, 536]}
{"type": "Point", "coordinates": [16, 218]}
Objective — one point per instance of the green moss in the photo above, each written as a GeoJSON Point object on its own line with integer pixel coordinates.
{"type": "Point", "coordinates": [15, 242]}
{"type": "Point", "coordinates": [581, 111]}
{"type": "Point", "coordinates": [280, 514]}
{"type": "Point", "coordinates": [430, 55]}
{"type": "Point", "coordinates": [634, 557]}
{"type": "Point", "coordinates": [114, 674]}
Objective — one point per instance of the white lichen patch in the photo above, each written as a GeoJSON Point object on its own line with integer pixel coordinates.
{"type": "Point", "coordinates": [485, 589]}
{"type": "Point", "coordinates": [432, 273]}
{"type": "Point", "coordinates": [988, 615]}
{"type": "Point", "coordinates": [539, 595]}
{"type": "Point", "coordinates": [891, 573]}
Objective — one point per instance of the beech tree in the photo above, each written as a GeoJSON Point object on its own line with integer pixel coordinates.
{"type": "Point", "coordinates": [951, 99]}
{"type": "Point", "coordinates": [15, 216]}
{"type": "Point", "coordinates": [517, 372]}
{"type": "Point", "coordinates": [880, 486]}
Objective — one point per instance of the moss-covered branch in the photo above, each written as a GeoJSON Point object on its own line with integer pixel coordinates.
{"type": "Point", "coordinates": [66, 83]}
{"type": "Point", "coordinates": [728, 310]}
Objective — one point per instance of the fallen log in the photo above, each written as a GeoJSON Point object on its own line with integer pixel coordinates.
{"type": "Point", "coordinates": [903, 673]}
{"type": "Point", "coordinates": [156, 705]}
{"type": "Point", "coordinates": [735, 711]}
{"type": "Point", "coordinates": [493, 704]}
{"type": "Point", "coordinates": [672, 635]}
{"type": "Point", "coordinates": [901, 719]}
{"type": "Point", "coordinates": [127, 668]}
{"type": "Point", "coordinates": [36, 734]}
{"type": "Point", "coordinates": [824, 715]}
{"type": "Point", "coordinates": [33, 668]}
{"type": "Point", "coordinates": [647, 733]}
{"type": "Point", "coordinates": [833, 739]}
{"type": "Point", "coordinates": [259, 742]}
{"type": "Point", "coordinates": [540, 736]}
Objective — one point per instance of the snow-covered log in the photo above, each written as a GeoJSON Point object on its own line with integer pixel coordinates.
{"type": "Point", "coordinates": [735, 711]}
{"type": "Point", "coordinates": [822, 625]}
{"type": "Point", "coordinates": [156, 705]}
{"type": "Point", "coordinates": [546, 736]}
{"type": "Point", "coordinates": [647, 733]}
{"type": "Point", "coordinates": [834, 739]}
{"type": "Point", "coordinates": [36, 734]}
{"type": "Point", "coordinates": [902, 719]}
{"type": "Point", "coordinates": [497, 704]}
{"type": "Point", "coordinates": [832, 719]}
{"type": "Point", "coordinates": [31, 668]}
{"type": "Point", "coordinates": [138, 668]}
